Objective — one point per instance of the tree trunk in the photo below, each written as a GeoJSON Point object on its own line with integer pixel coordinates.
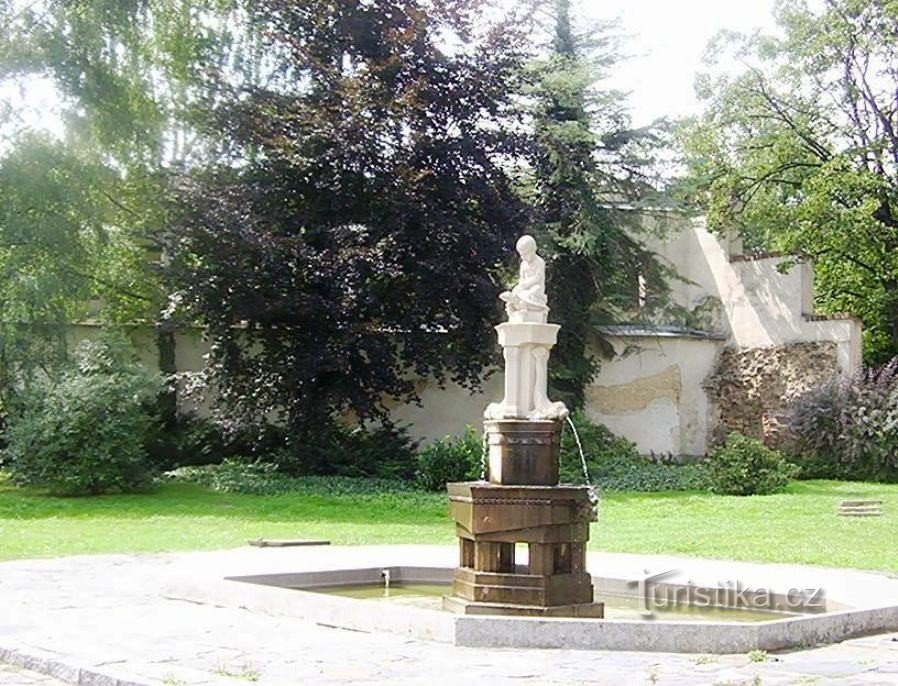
{"type": "Point", "coordinates": [168, 400]}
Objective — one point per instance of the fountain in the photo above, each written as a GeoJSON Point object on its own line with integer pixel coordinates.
{"type": "Point", "coordinates": [520, 500]}
{"type": "Point", "coordinates": [489, 596]}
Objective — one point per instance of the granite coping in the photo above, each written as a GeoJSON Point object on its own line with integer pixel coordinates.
{"type": "Point", "coordinates": [857, 602]}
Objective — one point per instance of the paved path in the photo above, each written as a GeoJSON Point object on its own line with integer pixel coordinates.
{"type": "Point", "coordinates": [101, 620]}
{"type": "Point", "coordinates": [13, 676]}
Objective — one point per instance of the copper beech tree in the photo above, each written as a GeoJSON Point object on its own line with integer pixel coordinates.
{"type": "Point", "coordinates": [350, 243]}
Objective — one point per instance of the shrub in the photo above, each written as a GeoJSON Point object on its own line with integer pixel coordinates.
{"type": "Point", "coordinates": [600, 445]}
{"type": "Point", "coordinates": [745, 466]}
{"type": "Point", "coordinates": [450, 459]}
{"type": "Point", "coordinates": [385, 452]}
{"type": "Point", "coordinates": [615, 464]}
{"type": "Point", "coordinates": [847, 428]}
{"type": "Point", "coordinates": [85, 432]}
{"type": "Point", "coordinates": [193, 440]}
{"type": "Point", "coordinates": [236, 475]}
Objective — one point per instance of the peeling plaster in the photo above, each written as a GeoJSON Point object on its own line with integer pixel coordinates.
{"type": "Point", "coordinates": [638, 394]}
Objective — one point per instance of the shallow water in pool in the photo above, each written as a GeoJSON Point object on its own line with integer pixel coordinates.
{"type": "Point", "coordinates": [429, 596]}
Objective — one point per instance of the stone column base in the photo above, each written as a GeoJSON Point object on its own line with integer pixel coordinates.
{"type": "Point", "coordinates": [469, 607]}
{"type": "Point", "coordinates": [552, 521]}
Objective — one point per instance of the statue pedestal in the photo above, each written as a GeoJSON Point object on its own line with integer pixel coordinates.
{"type": "Point", "coordinates": [553, 521]}
{"type": "Point", "coordinates": [522, 452]}
{"type": "Point", "coordinates": [526, 347]}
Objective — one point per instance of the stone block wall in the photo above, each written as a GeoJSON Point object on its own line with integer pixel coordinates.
{"type": "Point", "coordinates": [747, 386]}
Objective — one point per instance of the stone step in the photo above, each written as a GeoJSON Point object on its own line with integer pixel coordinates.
{"type": "Point", "coordinates": [860, 508]}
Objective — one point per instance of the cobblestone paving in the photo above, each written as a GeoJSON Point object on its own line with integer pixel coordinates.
{"type": "Point", "coordinates": [105, 616]}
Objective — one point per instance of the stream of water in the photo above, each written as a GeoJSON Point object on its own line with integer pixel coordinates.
{"type": "Point", "coordinates": [593, 490]}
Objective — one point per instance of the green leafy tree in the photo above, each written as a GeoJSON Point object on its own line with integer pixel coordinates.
{"type": "Point", "coordinates": [800, 153]}
{"type": "Point", "coordinates": [59, 255]}
{"type": "Point", "coordinates": [83, 214]}
{"type": "Point", "coordinates": [592, 171]}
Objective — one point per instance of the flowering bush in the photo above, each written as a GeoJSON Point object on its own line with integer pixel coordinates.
{"type": "Point", "coordinates": [847, 428]}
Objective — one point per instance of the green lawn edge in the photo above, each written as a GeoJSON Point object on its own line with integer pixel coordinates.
{"type": "Point", "coordinates": [798, 526]}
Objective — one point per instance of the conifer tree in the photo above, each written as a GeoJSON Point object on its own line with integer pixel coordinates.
{"type": "Point", "coordinates": [591, 171]}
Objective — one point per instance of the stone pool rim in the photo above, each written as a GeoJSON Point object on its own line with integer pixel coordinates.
{"type": "Point", "coordinates": [219, 587]}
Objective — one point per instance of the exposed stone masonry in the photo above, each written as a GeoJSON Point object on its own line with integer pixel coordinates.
{"type": "Point", "coordinates": [750, 387]}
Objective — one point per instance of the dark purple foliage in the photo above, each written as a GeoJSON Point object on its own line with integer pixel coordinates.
{"type": "Point", "coordinates": [353, 248]}
{"type": "Point", "coordinates": [848, 427]}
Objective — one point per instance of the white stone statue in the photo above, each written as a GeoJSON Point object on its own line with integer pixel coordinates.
{"type": "Point", "coordinates": [527, 300]}
{"type": "Point", "coordinates": [526, 339]}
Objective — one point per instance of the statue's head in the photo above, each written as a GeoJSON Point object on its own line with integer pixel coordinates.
{"type": "Point", "coordinates": [526, 246]}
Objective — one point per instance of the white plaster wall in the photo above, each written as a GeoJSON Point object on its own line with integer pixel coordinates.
{"type": "Point", "coordinates": [652, 391]}
{"type": "Point", "coordinates": [652, 394]}
{"type": "Point", "coordinates": [767, 308]}
{"type": "Point", "coordinates": [694, 254]}
{"type": "Point", "coordinates": [141, 337]}
{"type": "Point", "coordinates": [674, 422]}
{"type": "Point", "coordinates": [447, 411]}
{"type": "Point", "coordinates": [190, 348]}
{"type": "Point", "coordinates": [761, 306]}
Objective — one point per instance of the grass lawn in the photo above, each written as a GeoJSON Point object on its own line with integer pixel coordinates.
{"type": "Point", "coordinates": [798, 526]}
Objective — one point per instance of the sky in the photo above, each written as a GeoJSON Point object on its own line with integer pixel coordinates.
{"type": "Point", "coordinates": [667, 41]}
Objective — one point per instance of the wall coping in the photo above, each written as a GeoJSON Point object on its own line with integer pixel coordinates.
{"type": "Point", "coordinates": [659, 331]}
{"type": "Point", "coordinates": [754, 257]}
{"type": "Point", "coordinates": [835, 316]}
